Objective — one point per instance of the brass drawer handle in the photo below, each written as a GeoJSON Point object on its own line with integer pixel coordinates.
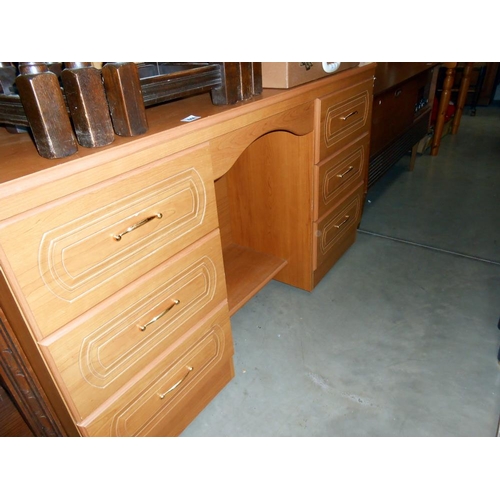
{"type": "Point", "coordinates": [118, 237]}
{"type": "Point", "coordinates": [190, 369]}
{"type": "Point", "coordinates": [344, 118]}
{"type": "Point", "coordinates": [342, 223]}
{"type": "Point", "coordinates": [346, 172]}
{"type": "Point", "coordinates": [156, 318]}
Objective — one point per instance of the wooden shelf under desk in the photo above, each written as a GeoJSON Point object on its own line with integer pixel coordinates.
{"type": "Point", "coordinates": [247, 272]}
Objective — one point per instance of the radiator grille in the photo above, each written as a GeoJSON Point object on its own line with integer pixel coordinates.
{"type": "Point", "coordinates": [382, 162]}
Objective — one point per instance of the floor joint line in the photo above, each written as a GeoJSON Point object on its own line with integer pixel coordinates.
{"type": "Point", "coordinates": [429, 247]}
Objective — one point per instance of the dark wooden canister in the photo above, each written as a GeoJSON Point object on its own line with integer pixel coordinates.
{"type": "Point", "coordinates": [124, 94]}
{"type": "Point", "coordinates": [43, 102]}
{"type": "Point", "coordinates": [87, 104]}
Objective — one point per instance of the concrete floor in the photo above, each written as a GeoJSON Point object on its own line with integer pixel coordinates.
{"type": "Point", "coordinates": [401, 337]}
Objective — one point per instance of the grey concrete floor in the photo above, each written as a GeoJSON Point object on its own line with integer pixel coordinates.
{"type": "Point", "coordinates": [401, 337]}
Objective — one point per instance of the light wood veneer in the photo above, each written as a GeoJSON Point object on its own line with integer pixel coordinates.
{"type": "Point", "coordinates": [247, 193]}
{"type": "Point", "coordinates": [97, 355]}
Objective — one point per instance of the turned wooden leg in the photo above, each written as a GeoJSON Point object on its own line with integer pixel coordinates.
{"type": "Point", "coordinates": [462, 97]}
{"type": "Point", "coordinates": [443, 105]}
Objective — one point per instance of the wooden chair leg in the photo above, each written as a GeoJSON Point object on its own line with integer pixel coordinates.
{"type": "Point", "coordinates": [443, 106]}
{"type": "Point", "coordinates": [462, 97]}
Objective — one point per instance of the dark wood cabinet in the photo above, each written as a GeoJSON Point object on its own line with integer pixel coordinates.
{"type": "Point", "coordinates": [12, 423]}
{"type": "Point", "coordinates": [24, 407]}
{"type": "Point", "coordinates": [402, 104]}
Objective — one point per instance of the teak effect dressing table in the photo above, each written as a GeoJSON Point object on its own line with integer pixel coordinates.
{"type": "Point", "coordinates": [121, 266]}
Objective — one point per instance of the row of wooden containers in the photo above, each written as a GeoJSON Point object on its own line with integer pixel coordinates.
{"type": "Point", "coordinates": [81, 104]}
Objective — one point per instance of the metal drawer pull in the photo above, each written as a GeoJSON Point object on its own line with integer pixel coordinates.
{"type": "Point", "coordinates": [156, 318]}
{"type": "Point", "coordinates": [344, 118]}
{"type": "Point", "coordinates": [118, 237]}
{"type": "Point", "coordinates": [346, 172]}
{"type": "Point", "coordinates": [190, 369]}
{"type": "Point", "coordinates": [343, 222]}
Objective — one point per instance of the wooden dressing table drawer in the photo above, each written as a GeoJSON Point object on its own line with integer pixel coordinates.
{"type": "Point", "coordinates": [334, 226]}
{"type": "Point", "coordinates": [76, 251]}
{"type": "Point", "coordinates": [338, 174]}
{"type": "Point", "coordinates": [179, 385]}
{"type": "Point", "coordinates": [121, 336]}
{"type": "Point", "coordinates": [341, 117]}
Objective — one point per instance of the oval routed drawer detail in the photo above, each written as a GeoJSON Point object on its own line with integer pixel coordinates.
{"type": "Point", "coordinates": [122, 336]}
{"type": "Point", "coordinates": [73, 253]}
{"type": "Point", "coordinates": [343, 116]}
{"type": "Point", "coordinates": [331, 229]}
{"type": "Point", "coordinates": [338, 174]}
{"type": "Point", "coordinates": [174, 390]}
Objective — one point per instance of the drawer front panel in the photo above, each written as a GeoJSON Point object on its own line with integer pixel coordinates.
{"type": "Point", "coordinates": [166, 398]}
{"type": "Point", "coordinates": [76, 252]}
{"type": "Point", "coordinates": [342, 219]}
{"type": "Point", "coordinates": [339, 174]}
{"type": "Point", "coordinates": [126, 333]}
{"type": "Point", "coordinates": [342, 117]}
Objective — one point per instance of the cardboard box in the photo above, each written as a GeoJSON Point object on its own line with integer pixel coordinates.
{"type": "Point", "coordinates": [284, 75]}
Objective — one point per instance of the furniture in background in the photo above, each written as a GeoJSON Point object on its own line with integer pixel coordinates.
{"type": "Point", "coordinates": [402, 103]}
{"type": "Point", "coordinates": [476, 74]}
{"type": "Point", "coordinates": [121, 266]}
{"type": "Point", "coordinates": [444, 100]}
{"type": "Point", "coordinates": [489, 84]}
{"type": "Point", "coordinates": [483, 79]}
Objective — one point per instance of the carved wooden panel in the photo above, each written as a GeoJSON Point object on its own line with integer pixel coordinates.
{"type": "Point", "coordinates": [22, 384]}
